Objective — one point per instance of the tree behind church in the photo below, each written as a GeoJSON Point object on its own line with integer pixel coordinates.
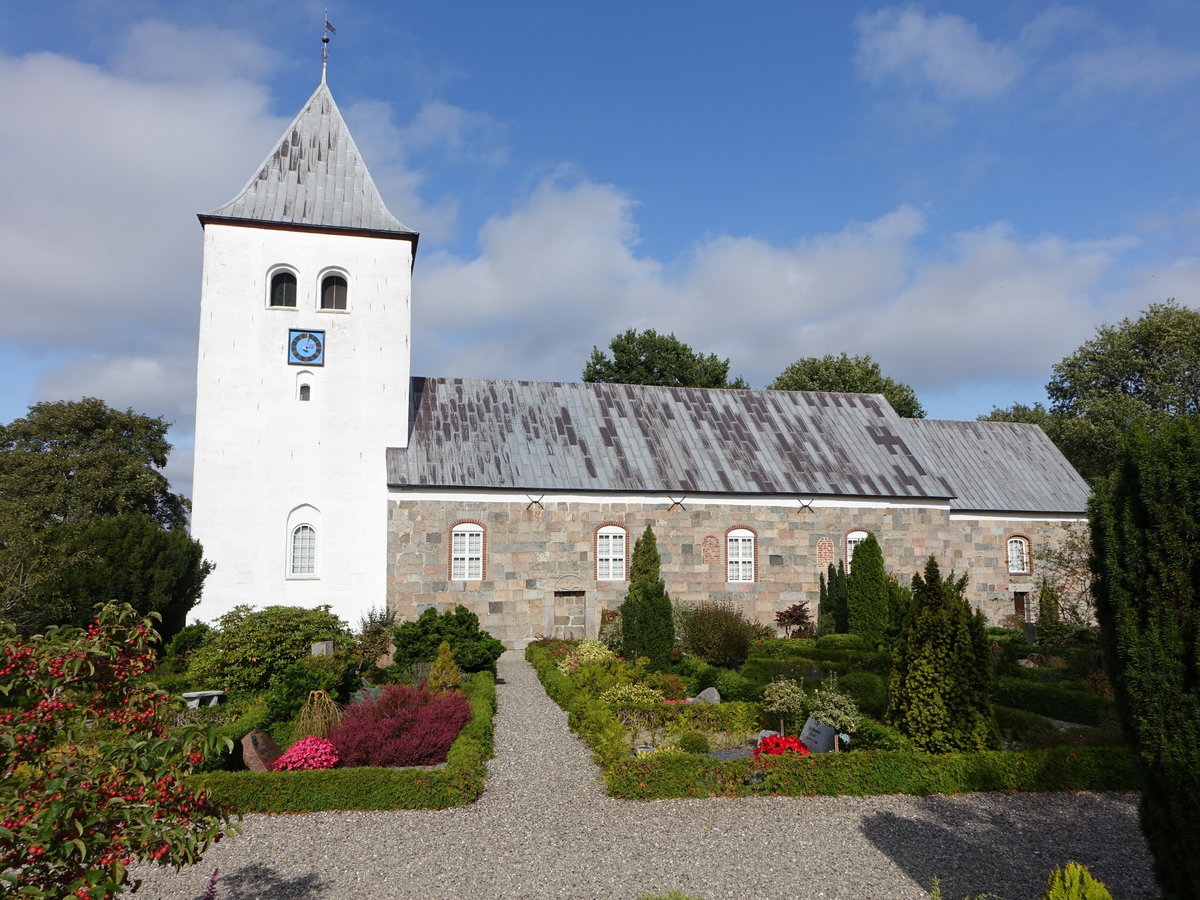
{"type": "Point", "coordinates": [65, 468]}
{"type": "Point", "coordinates": [1146, 559]}
{"type": "Point", "coordinates": [647, 624]}
{"type": "Point", "coordinates": [647, 357]}
{"type": "Point", "coordinates": [848, 374]}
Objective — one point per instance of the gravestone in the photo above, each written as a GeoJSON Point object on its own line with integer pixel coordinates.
{"type": "Point", "coordinates": [709, 695]}
{"type": "Point", "coordinates": [322, 648]}
{"type": "Point", "coordinates": [259, 752]}
{"type": "Point", "coordinates": [818, 738]}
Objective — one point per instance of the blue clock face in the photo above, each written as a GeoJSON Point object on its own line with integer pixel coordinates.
{"type": "Point", "coordinates": [306, 348]}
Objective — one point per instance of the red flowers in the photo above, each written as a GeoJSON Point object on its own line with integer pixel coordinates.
{"type": "Point", "coordinates": [776, 745]}
{"type": "Point", "coordinates": [308, 753]}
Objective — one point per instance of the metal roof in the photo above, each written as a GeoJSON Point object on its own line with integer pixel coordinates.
{"type": "Point", "coordinates": [636, 438]}
{"type": "Point", "coordinates": [999, 466]}
{"type": "Point", "coordinates": [315, 177]}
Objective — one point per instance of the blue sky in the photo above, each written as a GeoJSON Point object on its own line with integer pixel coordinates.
{"type": "Point", "coordinates": [962, 190]}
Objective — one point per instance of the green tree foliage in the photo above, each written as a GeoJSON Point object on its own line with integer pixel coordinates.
{"type": "Point", "coordinates": [1140, 371]}
{"type": "Point", "coordinates": [940, 687]}
{"type": "Point", "coordinates": [1146, 560]}
{"type": "Point", "coordinates": [443, 675]}
{"type": "Point", "coordinates": [92, 777]}
{"type": "Point", "coordinates": [474, 649]}
{"type": "Point", "coordinates": [75, 462]}
{"type": "Point", "coordinates": [132, 559]}
{"type": "Point", "coordinates": [647, 621]}
{"type": "Point", "coordinates": [1074, 882]}
{"type": "Point", "coordinates": [67, 468]}
{"type": "Point", "coordinates": [834, 610]}
{"type": "Point", "coordinates": [249, 649]}
{"type": "Point", "coordinates": [1052, 631]}
{"type": "Point", "coordinates": [848, 374]}
{"type": "Point", "coordinates": [647, 357]}
{"type": "Point", "coordinates": [868, 615]}
{"type": "Point", "coordinates": [717, 631]}
{"type": "Point", "coordinates": [899, 602]}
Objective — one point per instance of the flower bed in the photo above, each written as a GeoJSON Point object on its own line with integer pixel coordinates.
{"type": "Point", "coordinates": [459, 783]}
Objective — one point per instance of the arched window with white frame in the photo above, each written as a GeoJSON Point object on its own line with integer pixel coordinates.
{"type": "Point", "coordinates": [466, 552]}
{"type": "Point", "coordinates": [611, 541]}
{"type": "Point", "coordinates": [334, 290]}
{"type": "Point", "coordinates": [853, 539]}
{"type": "Point", "coordinates": [739, 555]}
{"type": "Point", "coordinates": [283, 289]}
{"type": "Point", "coordinates": [303, 552]}
{"type": "Point", "coordinates": [1018, 555]}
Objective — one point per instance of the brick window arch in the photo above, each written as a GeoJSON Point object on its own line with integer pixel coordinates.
{"type": "Point", "coordinates": [1020, 559]}
{"type": "Point", "coordinates": [612, 542]}
{"type": "Point", "coordinates": [741, 555]}
{"type": "Point", "coordinates": [468, 551]}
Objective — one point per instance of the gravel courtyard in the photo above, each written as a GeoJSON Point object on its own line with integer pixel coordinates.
{"type": "Point", "coordinates": [544, 828]}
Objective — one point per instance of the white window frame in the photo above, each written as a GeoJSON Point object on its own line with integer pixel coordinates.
{"type": "Point", "coordinates": [611, 544]}
{"type": "Point", "coordinates": [853, 539]}
{"type": "Point", "coordinates": [1023, 543]}
{"type": "Point", "coordinates": [275, 273]}
{"type": "Point", "coordinates": [466, 552]}
{"type": "Point", "coordinates": [302, 559]}
{"type": "Point", "coordinates": [739, 556]}
{"type": "Point", "coordinates": [325, 276]}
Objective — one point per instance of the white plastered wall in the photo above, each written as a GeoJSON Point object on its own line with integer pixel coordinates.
{"type": "Point", "coordinates": [261, 452]}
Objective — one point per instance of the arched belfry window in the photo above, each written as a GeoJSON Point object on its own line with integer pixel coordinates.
{"type": "Point", "coordinates": [333, 292]}
{"type": "Point", "coordinates": [283, 289]}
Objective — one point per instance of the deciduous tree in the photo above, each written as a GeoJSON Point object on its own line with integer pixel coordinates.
{"type": "Point", "coordinates": [848, 374]}
{"type": "Point", "coordinates": [647, 357]}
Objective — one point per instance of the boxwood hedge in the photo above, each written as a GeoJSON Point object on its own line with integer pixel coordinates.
{"type": "Point", "coordinates": [460, 782]}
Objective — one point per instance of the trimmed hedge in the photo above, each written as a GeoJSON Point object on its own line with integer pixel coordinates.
{"type": "Point", "coordinates": [859, 773]}
{"type": "Point", "coordinates": [874, 772]}
{"type": "Point", "coordinates": [1054, 702]}
{"type": "Point", "coordinates": [459, 783]}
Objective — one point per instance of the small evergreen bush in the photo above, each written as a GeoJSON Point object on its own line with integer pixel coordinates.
{"type": "Point", "coordinates": [1074, 882]}
{"type": "Point", "coordinates": [867, 690]}
{"type": "Point", "coordinates": [647, 620]}
{"type": "Point", "coordinates": [692, 742]}
{"type": "Point", "coordinates": [417, 641]}
{"type": "Point", "coordinates": [404, 727]}
{"type": "Point", "coordinates": [335, 675]}
{"type": "Point", "coordinates": [443, 675]}
{"type": "Point", "coordinates": [718, 631]}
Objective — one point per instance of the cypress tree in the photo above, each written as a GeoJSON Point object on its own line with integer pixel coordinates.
{"type": "Point", "coordinates": [826, 624]}
{"type": "Point", "coordinates": [834, 610]}
{"type": "Point", "coordinates": [1146, 561]}
{"type": "Point", "coordinates": [647, 625]}
{"type": "Point", "coordinates": [867, 593]}
{"type": "Point", "coordinates": [939, 693]}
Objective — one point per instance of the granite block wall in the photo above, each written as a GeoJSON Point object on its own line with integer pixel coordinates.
{"type": "Point", "coordinates": [540, 576]}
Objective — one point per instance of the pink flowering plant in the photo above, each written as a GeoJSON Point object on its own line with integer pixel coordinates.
{"type": "Point", "coordinates": [308, 753]}
{"type": "Point", "coordinates": [777, 745]}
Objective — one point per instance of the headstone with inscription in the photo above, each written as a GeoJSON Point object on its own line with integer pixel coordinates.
{"type": "Point", "coordinates": [818, 738]}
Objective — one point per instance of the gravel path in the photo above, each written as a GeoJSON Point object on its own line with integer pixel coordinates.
{"type": "Point", "coordinates": [544, 828]}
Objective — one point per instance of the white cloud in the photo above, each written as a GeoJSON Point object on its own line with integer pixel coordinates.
{"type": "Point", "coordinates": [458, 133]}
{"type": "Point", "coordinates": [942, 54]}
{"type": "Point", "coordinates": [157, 384]}
{"type": "Point", "coordinates": [162, 51]}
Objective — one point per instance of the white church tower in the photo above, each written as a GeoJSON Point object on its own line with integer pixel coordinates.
{"type": "Point", "coordinates": [303, 377]}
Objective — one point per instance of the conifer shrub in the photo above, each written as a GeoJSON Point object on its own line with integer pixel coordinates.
{"type": "Point", "coordinates": [1146, 561]}
{"type": "Point", "coordinates": [940, 688]}
{"type": "Point", "coordinates": [1074, 882]}
{"type": "Point", "coordinates": [405, 727]}
{"type": "Point", "coordinates": [692, 742]}
{"type": "Point", "coordinates": [335, 675]}
{"type": "Point", "coordinates": [867, 607]}
{"type": "Point", "coordinates": [1052, 631]}
{"type": "Point", "coordinates": [443, 675]}
{"type": "Point", "coordinates": [867, 690]}
{"type": "Point", "coordinates": [842, 642]}
{"type": "Point", "coordinates": [647, 620]}
{"type": "Point", "coordinates": [417, 641]}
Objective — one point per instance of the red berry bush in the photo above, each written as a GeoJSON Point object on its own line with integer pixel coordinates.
{"type": "Point", "coordinates": [405, 726]}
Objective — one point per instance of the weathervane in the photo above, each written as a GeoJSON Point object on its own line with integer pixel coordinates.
{"type": "Point", "coordinates": [326, 31]}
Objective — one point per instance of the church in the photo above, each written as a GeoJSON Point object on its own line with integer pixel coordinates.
{"type": "Point", "coordinates": [325, 473]}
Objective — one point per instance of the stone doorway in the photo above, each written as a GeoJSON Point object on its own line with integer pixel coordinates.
{"type": "Point", "coordinates": [570, 612]}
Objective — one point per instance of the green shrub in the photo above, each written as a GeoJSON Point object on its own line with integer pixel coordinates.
{"type": "Point", "coordinates": [833, 707]}
{"type": "Point", "coordinates": [1054, 702]}
{"type": "Point", "coordinates": [718, 631]}
{"type": "Point", "coordinates": [248, 649]}
{"type": "Point", "coordinates": [460, 782]}
{"type": "Point", "coordinates": [781, 648]}
{"type": "Point", "coordinates": [842, 642]}
{"type": "Point", "coordinates": [867, 690]}
{"type": "Point", "coordinates": [375, 629]}
{"type": "Point", "coordinates": [785, 699]}
{"type": "Point", "coordinates": [873, 735]}
{"type": "Point", "coordinates": [647, 620]}
{"type": "Point", "coordinates": [672, 687]}
{"type": "Point", "coordinates": [474, 649]}
{"type": "Point", "coordinates": [1074, 882]}
{"type": "Point", "coordinates": [444, 674]}
{"type": "Point", "coordinates": [867, 593]}
{"type": "Point", "coordinates": [335, 675]}
{"type": "Point", "coordinates": [692, 742]}
{"type": "Point", "coordinates": [187, 639]}
{"type": "Point", "coordinates": [733, 686]}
